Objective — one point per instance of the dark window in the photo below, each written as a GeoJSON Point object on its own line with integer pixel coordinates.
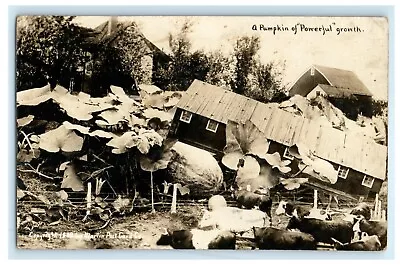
{"type": "Point", "coordinates": [367, 181]}
{"type": "Point", "coordinates": [342, 172]}
{"type": "Point", "coordinates": [186, 116]}
{"type": "Point", "coordinates": [212, 126]}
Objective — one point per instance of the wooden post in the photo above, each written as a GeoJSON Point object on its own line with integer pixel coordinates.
{"type": "Point", "coordinates": [379, 210]}
{"type": "Point", "coordinates": [383, 215]}
{"type": "Point", "coordinates": [315, 199]}
{"type": "Point", "coordinates": [88, 200]}
{"type": "Point", "coordinates": [174, 194]}
{"type": "Point", "coordinates": [153, 210]}
{"type": "Point", "coordinates": [376, 206]}
{"type": "Point", "coordinates": [329, 202]}
{"type": "Point", "coordinates": [89, 197]}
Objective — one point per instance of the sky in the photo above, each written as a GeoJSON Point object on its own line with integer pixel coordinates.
{"type": "Point", "coordinates": [364, 50]}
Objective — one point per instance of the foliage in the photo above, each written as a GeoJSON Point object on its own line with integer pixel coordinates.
{"type": "Point", "coordinates": [245, 50]}
{"type": "Point", "coordinates": [241, 140]}
{"type": "Point", "coordinates": [102, 140]}
{"type": "Point", "coordinates": [265, 83]}
{"type": "Point", "coordinates": [48, 49]}
{"type": "Point", "coordinates": [352, 106]}
{"type": "Point", "coordinates": [246, 152]}
{"type": "Point", "coordinates": [379, 107]}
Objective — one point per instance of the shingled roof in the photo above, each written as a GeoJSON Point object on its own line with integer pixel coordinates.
{"type": "Point", "coordinates": [352, 150]}
{"type": "Point", "coordinates": [103, 35]}
{"type": "Point", "coordinates": [344, 80]}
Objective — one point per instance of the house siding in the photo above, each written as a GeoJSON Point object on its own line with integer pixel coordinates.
{"type": "Point", "coordinates": [306, 83]}
{"type": "Point", "coordinates": [351, 185]}
{"type": "Point", "coordinates": [195, 133]}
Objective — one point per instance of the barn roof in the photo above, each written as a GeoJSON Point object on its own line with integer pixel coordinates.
{"type": "Point", "coordinates": [352, 150]}
{"type": "Point", "coordinates": [336, 92]}
{"type": "Point", "coordinates": [343, 80]}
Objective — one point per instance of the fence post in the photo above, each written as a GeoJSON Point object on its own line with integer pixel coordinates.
{"type": "Point", "coordinates": [379, 210]}
{"type": "Point", "coordinates": [383, 215]}
{"type": "Point", "coordinates": [315, 199]}
{"type": "Point", "coordinates": [88, 200]}
{"type": "Point", "coordinates": [376, 206]}
{"type": "Point", "coordinates": [174, 194]}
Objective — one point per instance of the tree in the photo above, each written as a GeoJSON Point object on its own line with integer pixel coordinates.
{"type": "Point", "coordinates": [185, 65]}
{"type": "Point", "coordinates": [220, 69]}
{"type": "Point", "coordinates": [266, 83]}
{"type": "Point", "coordinates": [244, 51]}
{"type": "Point", "coordinates": [49, 49]}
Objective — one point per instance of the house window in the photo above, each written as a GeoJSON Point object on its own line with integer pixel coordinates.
{"type": "Point", "coordinates": [287, 155]}
{"type": "Point", "coordinates": [212, 126]}
{"type": "Point", "coordinates": [318, 93]}
{"type": "Point", "coordinates": [186, 116]}
{"type": "Point", "coordinates": [367, 181]}
{"type": "Point", "coordinates": [342, 172]}
{"type": "Point", "coordinates": [312, 71]}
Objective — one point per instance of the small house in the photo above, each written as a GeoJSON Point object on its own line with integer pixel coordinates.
{"type": "Point", "coordinates": [342, 87]}
{"type": "Point", "coordinates": [204, 110]}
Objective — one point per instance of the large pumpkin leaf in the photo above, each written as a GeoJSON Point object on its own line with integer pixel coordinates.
{"type": "Point", "coordinates": [172, 97]}
{"type": "Point", "coordinates": [25, 120]}
{"type": "Point", "coordinates": [60, 139]}
{"type": "Point", "coordinates": [149, 90]}
{"type": "Point", "coordinates": [134, 121]}
{"type": "Point", "coordinates": [34, 96]}
{"type": "Point", "coordinates": [121, 143]}
{"type": "Point", "coordinates": [265, 178]}
{"type": "Point", "coordinates": [313, 165]}
{"type": "Point", "coordinates": [158, 158]}
{"type": "Point", "coordinates": [152, 136]}
{"type": "Point", "coordinates": [102, 134]}
{"type": "Point", "coordinates": [79, 128]}
{"type": "Point", "coordinates": [232, 159]}
{"type": "Point", "coordinates": [113, 116]}
{"type": "Point", "coordinates": [71, 180]}
{"type": "Point", "coordinates": [292, 183]}
{"type": "Point", "coordinates": [276, 162]}
{"type": "Point", "coordinates": [243, 139]}
{"type": "Point", "coordinates": [326, 170]}
{"type": "Point", "coordinates": [154, 101]}
{"type": "Point", "coordinates": [153, 113]}
{"type": "Point", "coordinates": [141, 142]}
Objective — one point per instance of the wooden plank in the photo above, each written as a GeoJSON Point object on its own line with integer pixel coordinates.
{"type": "Point", "coordinates": [296, 129]}
{"type": "Point", "coordinates": [213, 105]}
{"type": "Point", "coordinates": [236, 112]}
{"type": "Point", "coordinates": [232, 109]}
{"type": "Point", "coordinates": [221, 112]}
{"type": "Point", "coordinates": [256, 116]}
{"type": "Point", "coordinates": [203, 100]}
{"type": "Point", "coordinates": [188, 96]}
{"type": "Point", "coordinates": [249, 110]}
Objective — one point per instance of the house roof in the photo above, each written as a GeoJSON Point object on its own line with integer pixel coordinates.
{"type": "Point", "coordinates": [119, 27]}
{"type": "Point", "coordinates": [343, 80]}
{"type": "Point", "coordinates": [349, 149]}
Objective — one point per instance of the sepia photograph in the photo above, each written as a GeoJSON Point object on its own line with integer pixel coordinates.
{"type": "Point", "coordinates": [202, 132]}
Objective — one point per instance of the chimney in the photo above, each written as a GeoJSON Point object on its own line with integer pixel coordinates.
{"type": "Point", "coordinates": [112, 24]}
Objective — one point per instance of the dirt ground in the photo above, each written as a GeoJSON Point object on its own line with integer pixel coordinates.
{"type": "Point", "coordinates": [139, 230]}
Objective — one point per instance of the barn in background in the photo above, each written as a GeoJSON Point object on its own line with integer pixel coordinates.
{"type": "Point", "coordinates": [203, 112]}
{"type": "Point", "coordinates": [343, 89]}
